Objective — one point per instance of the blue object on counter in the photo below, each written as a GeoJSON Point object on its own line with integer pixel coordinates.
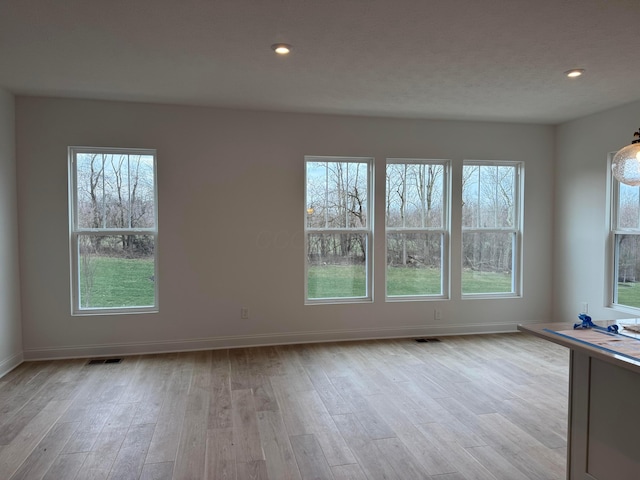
{"type": "Point", "coordinates": [587, 323]}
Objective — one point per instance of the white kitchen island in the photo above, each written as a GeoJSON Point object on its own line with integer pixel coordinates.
{"type": "Point", "coordinates": [603, 437]}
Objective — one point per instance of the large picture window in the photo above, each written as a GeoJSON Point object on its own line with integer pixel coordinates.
{"type": "Point", "coordinates": [113, 230]}
{"type": "Point", "coordinates": [338, 237]}
{"type": "Point", "coordinates": [417, 219]}
{"type": "Point", "coordinates": [625, 240]}
{"type": "Point", "coordinates": [491, 228]}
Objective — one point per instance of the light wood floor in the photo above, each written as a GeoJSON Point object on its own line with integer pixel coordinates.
{"type": "Point", "coordinates": [467, 408]}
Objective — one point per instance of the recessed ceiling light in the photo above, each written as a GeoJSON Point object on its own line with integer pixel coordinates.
{"type": "Point", "coordinates": [576, 72]}
{"type": "Point", "coordinates": [281, 48]}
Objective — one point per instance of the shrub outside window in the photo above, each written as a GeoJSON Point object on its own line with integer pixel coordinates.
{"type": "Point", "coordinates": [338, 238]}
{"type": "Point", "coordinates": [491, 228]}
{"type": "Point", "coordinates": [113, 230]}
{"type": "Point", "coordinates": [417, 237]}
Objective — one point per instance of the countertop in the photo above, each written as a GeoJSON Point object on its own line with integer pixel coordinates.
{"type": "Point", "coordinates": [622, 349]}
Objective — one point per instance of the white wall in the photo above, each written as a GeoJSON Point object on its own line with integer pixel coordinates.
{"type": "Point", "coordinates": [10, 326]}
{"type": "Point", "coordinates": [231, 213]}
{"type": "Point", "coordinates": [580, 218]}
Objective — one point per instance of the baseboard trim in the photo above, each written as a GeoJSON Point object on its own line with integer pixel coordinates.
{"type": "Point", "coordinates": [10, 363]}
{"type": "Point", "coordinates": [236, 341]}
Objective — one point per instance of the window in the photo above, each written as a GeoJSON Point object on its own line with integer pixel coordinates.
{"type": "Point", "coordinates": [113, 230]}
{"type": "Point", "coordinates": [491, 226]}
{"type": "Point", "coordinates": [417, 238]}
{"type": "Point", "coordinates": [338, 240]}
{"type": "Point", "coordinates": [625, 240]}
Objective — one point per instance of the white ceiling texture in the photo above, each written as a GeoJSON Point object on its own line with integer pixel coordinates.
{"type": "Point", "coordinates": [497, 60]}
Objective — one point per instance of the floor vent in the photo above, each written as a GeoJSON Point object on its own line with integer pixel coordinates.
{"type": "Point", "coordinates": [103, 361]}
{"type": "Point", "coordinates": [425, 340]}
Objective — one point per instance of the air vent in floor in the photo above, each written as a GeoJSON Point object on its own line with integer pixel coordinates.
{"type": "Point", "coordinates": [103, 361]}
{"type": "Point", "coordinates": [425, 340]}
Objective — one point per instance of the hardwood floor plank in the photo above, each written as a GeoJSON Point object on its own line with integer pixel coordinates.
{"type": "Point", "coordinates": [457, 424]}
{"type": "Point", "coordinates": [220, 400]}
{"type": "Point", "coordinates": [157, 471]}
{"type": "Point", "coordinates": [400, 459]}
{"type": "Point", "coordinates": [166, 436]}
{"type": "Point", "coordinates": [121, 416]}
{"type": "Point", "coordinates": [21, 446]}
{"type": "Point", "coordinates": [256, 470]}
{"type": "Point", "coordinates": [458, 456]}
{"type": "Point", "coordinates": [550, 430]}
{"type": "Point", "coordinates": [92, 421]}
{"type": "Point", "coordinates": [12, 424]}
{"type": "Point", "coordinates": [538, 462]}
{"type": "Point", "coordinates": [348, 472]}
{"type": "Point", "coordinates": [40, 460]}
{"type": "Point", "coordinates": [220, 386]}
{"type": "Point", "coordinates": [365, 450]}
{"type": "Point", "coordinates": [499, 466]}
{"type": "Point", "coordinates": [278, 452]}
{"type": "Point", "coordinates": [190, 460]}
{"type": "Point", "coordinates": [500, 432]}
{"type": "Point", "coordinates": [263, 394]}
{"type": "Point", "coordinates": [425, 449]}
{"type": "Point", "coordinates": [99, 460]}
{"type": "Point", "coordinates": [201, 378]}
{"type": "Point", "coordinates": [371, 421]}
{"type": "Point", "coordinates": [268, 361]}
{"type": "Point", "coordinates": [245, 427]}
{"type": "Point", "coordinates": [131, 457]}
{"type": "Point", "coordinates": [220, 458]}
{"type": "Point", "coordinates": [147, 411]}
{"type": "Point", "coordinates": [311, 460]}
{"type": "Point", "coordinates": [293, 412]}
{"type": "Point", "coordinates": [239, 368]}
{"type": "Point", "coordinates": [66, 466]}
{"type": "Point", "coordinates": [325, 431]}
{"type": "Point", "coordinates": [22, 387]}
{"type": "Point", "coordinates": [333, 401]}
{"type": "Point", "coordinates": [482, 407]}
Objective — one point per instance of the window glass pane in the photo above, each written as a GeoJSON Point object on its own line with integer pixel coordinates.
{"type": "Point", "coordinates": [337, 194]}
{"type": "Point", "coordinates": [116, 271]}
{"type": "Point", "coordinates": [115, 191]}
{"type": "Point", "coordinates": [628, 270]}
{"type": "Point", "coordinates": [628, 206]}
{"type": "Point", "coordinates": [414, 195]}
{"type": "Point", "coordinates": [90, 190]}
{"type": "Point", "coordinates": [336, 265]}
{"type": "Point", "coordinates": [487, 263]}
{"type": "Point", "coordinates": [488, 196]}
{"type": "Point", "coordinates": [414, 264]}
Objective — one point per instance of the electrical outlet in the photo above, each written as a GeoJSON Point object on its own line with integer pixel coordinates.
{"type": "Point", "coordinates": [585, 307]}
{"type": "Point", "coordinates": [244, 313]}
{"type": "Point", "coordinates": [437, 314]}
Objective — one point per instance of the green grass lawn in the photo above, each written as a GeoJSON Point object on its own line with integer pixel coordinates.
{"type": "Point", "coordinates": [118, 282]}
{"type": "Point", "coordinates": [629, 294]}
{"type": "Point", "coordinates": [338, 281]}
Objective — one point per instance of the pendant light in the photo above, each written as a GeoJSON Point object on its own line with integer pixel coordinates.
{"type": "Point", "coordinates": [626, 163]}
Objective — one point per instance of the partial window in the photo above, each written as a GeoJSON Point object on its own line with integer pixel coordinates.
{"type": "Point", "coordinates": [417, 236]}
{"type": "Point", "coordinates": [491, 228]}
{"type": "Point", "coordinates": [625, 233]}
{"type": "Point", "coordinates": [113, 230]}
{"type": "Point", "coordinates": [338, 237]}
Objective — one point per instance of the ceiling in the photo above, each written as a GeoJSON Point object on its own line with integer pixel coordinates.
{"type": "Point", "coordinates": [496, 60]}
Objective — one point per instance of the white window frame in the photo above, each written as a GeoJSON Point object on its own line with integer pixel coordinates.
{"type": "Point", "coordinates": [444, 231]}
{"type": "Point", "coordinates": [518, 222]}
{"type": "Point", "coordinates": [613, 193]}
{"type": "Point", "coordinates": [75, 231]}
{"type": "Point", "coordinates": [368, 231]}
